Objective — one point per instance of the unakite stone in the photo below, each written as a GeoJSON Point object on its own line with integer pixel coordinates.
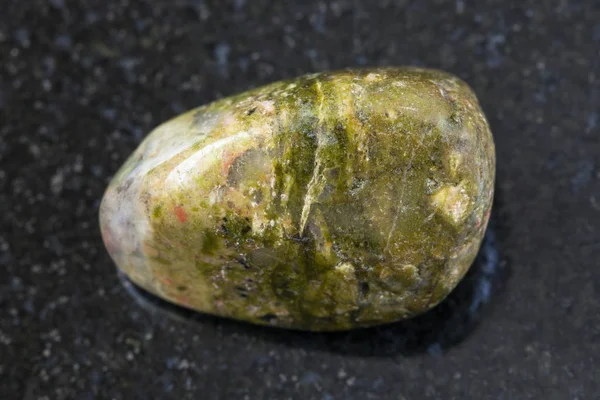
{"type": "Point", "coordinates": [326, 202]}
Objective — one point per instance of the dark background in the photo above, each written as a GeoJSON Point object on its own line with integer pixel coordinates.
{"type": "Point", "coordinates": [81, 82]}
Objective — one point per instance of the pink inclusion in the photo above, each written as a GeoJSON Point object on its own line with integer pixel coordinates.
{"type": "Point", "coordinates": [180, 213]}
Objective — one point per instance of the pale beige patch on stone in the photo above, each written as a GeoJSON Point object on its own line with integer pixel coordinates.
{"type": "Point", "coordinates": [455, 160]}
{"type": "Point", "coordinates": [267, 106]}
{"type": "Point", "coordinates": [452, 202]}
{"type": "Point", "coordinates": [373, 77]}
{"type": "Point", "coordinates": [216, 195]}
{"type": "Point", "coordinates": [345, 268]}
{"type": "Point", "coordinates": [229, 119]}
{"type": "Point", "coordinates": [259, 223]}
{"type": "Point", "coordinates": [411, 271]}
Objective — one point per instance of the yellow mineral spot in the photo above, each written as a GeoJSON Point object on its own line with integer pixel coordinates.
{"type": "Point", "coordinates": [346, 268]}
{"type": "Point", "coordinates": [452, 202]}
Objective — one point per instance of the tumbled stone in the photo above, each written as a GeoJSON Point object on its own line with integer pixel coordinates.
{"type": "Point", "coordinates": [326, 202]}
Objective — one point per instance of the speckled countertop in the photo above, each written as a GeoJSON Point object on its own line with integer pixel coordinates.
{"type": "Point", "coordinates": [82, 82]}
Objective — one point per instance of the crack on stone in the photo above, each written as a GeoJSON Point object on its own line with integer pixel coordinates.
{"type": "Point", "coordinates": [309, 198]}
{"type": "Point", "coordinates": [402, 191]}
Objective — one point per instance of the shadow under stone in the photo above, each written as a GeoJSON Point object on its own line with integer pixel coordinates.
{"type": "Point", "coordinates": [435, 331]}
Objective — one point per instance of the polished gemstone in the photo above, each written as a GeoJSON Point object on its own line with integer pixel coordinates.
{"type": "Point", "coordinates": [326, 202]}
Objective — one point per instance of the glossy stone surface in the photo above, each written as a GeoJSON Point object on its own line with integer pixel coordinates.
{"type": "Point", "coordinates": [326, 202]}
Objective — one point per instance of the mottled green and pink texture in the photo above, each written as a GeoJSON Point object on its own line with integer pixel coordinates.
{"type": "Point", "coordinates": [326, 202]}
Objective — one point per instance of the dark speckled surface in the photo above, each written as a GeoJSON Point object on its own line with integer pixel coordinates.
{"type": "Point", "coordinates": [82, 82]}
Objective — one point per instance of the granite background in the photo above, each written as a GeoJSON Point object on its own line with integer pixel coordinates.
{"type": "Point", "coordinates": [81, 82]}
